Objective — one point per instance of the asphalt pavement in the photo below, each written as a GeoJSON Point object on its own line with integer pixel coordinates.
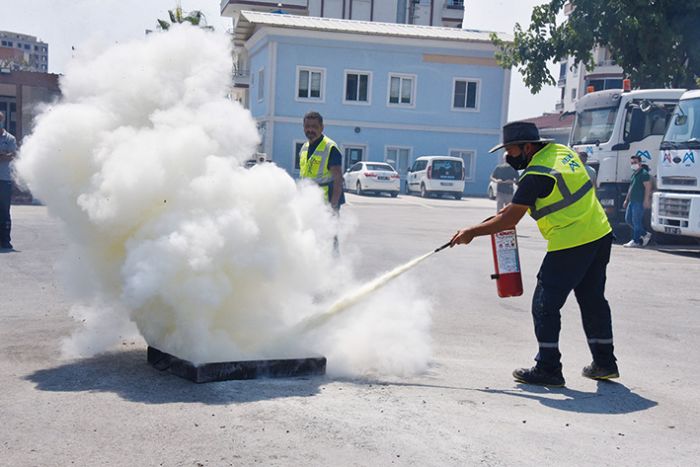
{"type": "Point", "coordinates": [114, 409]}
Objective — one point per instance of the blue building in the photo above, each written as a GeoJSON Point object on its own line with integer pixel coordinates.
{"type": "Point", "coordinates": [387, 92]}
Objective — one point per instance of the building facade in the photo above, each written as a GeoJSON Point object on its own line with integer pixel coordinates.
{"type": "Point", "coordinates": [388, 92]}
{"type": "Point", "coordinates": [23, 52]}
{"type": "Point", "coordinates": [575, 79]}
{"type": "Point", "coordinates": [447, 13]}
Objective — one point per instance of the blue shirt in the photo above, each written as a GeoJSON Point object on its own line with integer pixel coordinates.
{"type": "Point", "coordinates": [7, 144]}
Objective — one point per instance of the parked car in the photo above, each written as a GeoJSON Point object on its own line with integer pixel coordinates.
{"type": "Point", "coordinates": [375, 177]}
{"type": "Point", "coordinates": [491, 192]}
{"type": "Point", "coordinates": [436, 175]}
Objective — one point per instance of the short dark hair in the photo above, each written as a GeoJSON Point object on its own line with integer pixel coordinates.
{"type": "Point", "coordinates": [314, 116]}
{"type": "Point", "coordinates": [583, 155]}
{"type": "Point", "coordinates": [636, 157]}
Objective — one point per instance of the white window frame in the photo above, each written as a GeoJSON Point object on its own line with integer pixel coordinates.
{"type": "Point", "coordinates": [310, 69]}
{"type": "Point", "coordinates": [365, 152]}
{"type": "Point", "coordinates": [398, 148]}
{"type": "Point", "coordinates": [369, 87]}
{"type": "Point", "coordinates": [472, 165]}
{"type": "Point", "coordinates": [454, 91]}
{"type": "Point", "coordinates": [414, 87]}
{"type": "Point", "coordinates": [261, 84]}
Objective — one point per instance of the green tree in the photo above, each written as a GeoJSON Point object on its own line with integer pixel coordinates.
{"type": "Point", "coordinates": [195, 18]}
{"type": "Point", "coordinates": [656, 42]}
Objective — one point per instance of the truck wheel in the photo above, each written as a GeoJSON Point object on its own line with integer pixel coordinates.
{"type": "Point", "coordinates": [394, 194]}
{"type": "Point", "coordinates": [423, 191]}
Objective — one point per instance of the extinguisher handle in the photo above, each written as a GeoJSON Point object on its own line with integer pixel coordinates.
{"type": "Point", "coordinates": [495, 276]}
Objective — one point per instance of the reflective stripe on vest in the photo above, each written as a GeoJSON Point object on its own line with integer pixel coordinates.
{"type": "Point", "coordinates": [320, 156]}
{"type": "Point", "coordinates": [568, 197]}
{"type": "Point", "coordinates": [571, 214]}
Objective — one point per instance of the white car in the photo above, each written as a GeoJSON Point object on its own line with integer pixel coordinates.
{"type": "Point", "coordinates": [436, 175]}
{"type": "Point", "coordinates": [375, 177]}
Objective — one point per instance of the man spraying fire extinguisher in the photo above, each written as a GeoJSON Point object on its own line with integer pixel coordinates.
{"type": "Point", "coordinates": [555, 189]}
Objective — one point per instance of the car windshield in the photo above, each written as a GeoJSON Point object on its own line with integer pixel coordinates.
{"type": "Point", "coordinates": [594, 126]}
{"type": "Point", "coordinates": [685, 123]}
{"type": "Point", "coordinates": [447, 170]}
{"type": "Point", "coordinates": [384, 167]}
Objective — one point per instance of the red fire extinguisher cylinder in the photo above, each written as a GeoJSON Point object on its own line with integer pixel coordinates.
{"type": "Point", "coordinates": [509, 281]}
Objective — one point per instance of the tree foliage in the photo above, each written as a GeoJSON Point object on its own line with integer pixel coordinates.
{"type": "Point", "coordinates": [656, 42]}
{"type": "Point", "coordinates": [178, 15]}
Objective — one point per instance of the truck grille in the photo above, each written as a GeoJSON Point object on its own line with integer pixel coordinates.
{"type": "Point", "coordinates": [674, 207]}
{"type": "Point", "coordinates": [680, 181]}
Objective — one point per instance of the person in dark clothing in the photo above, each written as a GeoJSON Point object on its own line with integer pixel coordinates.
{"type": "Point", "coordinates": [637, 200]}
{"type": "Point", "coordinates": [557, 192]}
{"type": "Point", "coordinates": [8, 150]}
{"type": "Point", "coordinates": [505, 177]}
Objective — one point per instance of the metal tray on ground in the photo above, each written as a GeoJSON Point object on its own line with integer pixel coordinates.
{"type": "Point", "coordinates": [224, 371]}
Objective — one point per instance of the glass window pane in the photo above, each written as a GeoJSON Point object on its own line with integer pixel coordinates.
{"type": "Point", "coordinates": [460, 94]}
{"type": "Point", "coordinates": [394, 90]}
{"type": "Point", "coordinates": [315, 84]}
{"type": "Point", "coordinates": [471, 95]}
{"type": "Point", "coordinates": [364, 79]}
{"type": "Point", "coordinates": [303, 83]}
{"type": "Point", "coordinates": [406, 89]}
{"type": "Point", "coordinates": [351, 87]}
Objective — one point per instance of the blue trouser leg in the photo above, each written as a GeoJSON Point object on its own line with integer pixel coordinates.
{"type": "Point", "coordinates": [581, 269]}
{"type": "Point", "coordinates": [634, 216]}
{"type": "Point", "coordinates": [5, 221]}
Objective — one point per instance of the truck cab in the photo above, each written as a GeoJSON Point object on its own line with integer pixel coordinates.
{"type": "Point", "coordinates": [676, 204]}
{"type": "Point", "coordinates": [611, 126]}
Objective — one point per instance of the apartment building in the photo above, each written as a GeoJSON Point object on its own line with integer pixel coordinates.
{"type": "Point", "coordinates": [23, 52]}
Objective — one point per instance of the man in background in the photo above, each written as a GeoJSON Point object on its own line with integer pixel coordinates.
{"type": "Point", "coordinates": [505, 177]}
{"type": "Point", "coordinates": [637, 200]}
{"type": "Point", "coordinates": [8, 150]}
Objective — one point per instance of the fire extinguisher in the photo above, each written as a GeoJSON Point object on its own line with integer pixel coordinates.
{"type": "Point", "coordinates": [509, 281]}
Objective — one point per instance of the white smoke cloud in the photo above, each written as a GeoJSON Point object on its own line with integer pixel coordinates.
{"type": "Point", "coordinates": [141, 160]}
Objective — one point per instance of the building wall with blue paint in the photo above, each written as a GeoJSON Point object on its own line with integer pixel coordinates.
{"type": "Point", "coordinates": [371, 126]}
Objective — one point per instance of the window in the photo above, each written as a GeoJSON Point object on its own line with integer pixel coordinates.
{"type": "Point", "coordinates": [310, 83]}
{"type": "Point", "coordinates": [465, 94]}
{"type": "Point", "coordinates": [402, 89]}
{"type": "Point", "coordinates": [468, 156]}
{"type": "Point", "coordinates": [357, 87]}
{"type": "Point", "coordinates": [573, 94]}
{"type": "Point", "coordinates": [398, 157]}
{"type": "Point", "coordinates": [261, 84]}
{"type": "Point", "coordinates": [353, 154]}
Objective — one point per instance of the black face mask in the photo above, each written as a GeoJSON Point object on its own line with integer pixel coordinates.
{"type": "Point", "coordinates": [518, 163]}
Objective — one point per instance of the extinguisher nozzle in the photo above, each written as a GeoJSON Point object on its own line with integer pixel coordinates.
{"type": "Point", "coordinates": [442, 247]}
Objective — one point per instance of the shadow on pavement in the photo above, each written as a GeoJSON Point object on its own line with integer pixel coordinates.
{"type": "Point", "coordinates": [609, 397]}
{"type": "Point", "coordinates": [128, 375]}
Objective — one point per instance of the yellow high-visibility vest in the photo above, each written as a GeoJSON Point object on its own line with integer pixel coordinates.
{"type": "Point", "coordinates": [315, 166]}
{"type": "Point", "coordinates": [571, 214]}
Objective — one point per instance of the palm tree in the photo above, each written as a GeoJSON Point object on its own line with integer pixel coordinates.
{"type": "Point", "coordinates": [195, 18]}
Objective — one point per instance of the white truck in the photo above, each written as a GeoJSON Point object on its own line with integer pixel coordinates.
{"type": "Point", "coordinates": [611, 126]}
{"type": "Point", "coordinates": [675, 209]}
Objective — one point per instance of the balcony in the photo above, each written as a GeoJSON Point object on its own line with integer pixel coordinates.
{"type": "Point", "coordinates": [453, 13]}
{"type": "Point", "coordinates": [559, 106]}
{"type": "Point", "coordinates": [240, 77]}
{"type": "Point", "coordinates": [230, 8]}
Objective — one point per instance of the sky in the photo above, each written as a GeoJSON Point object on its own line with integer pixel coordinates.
{"type": "Point", "coordinates": [64, 24]}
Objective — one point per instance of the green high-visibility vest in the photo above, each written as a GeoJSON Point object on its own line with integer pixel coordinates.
{"type": "Point", "coordinates": [315, 166]}
{"type": "Point", "coordinates": [571, 215]}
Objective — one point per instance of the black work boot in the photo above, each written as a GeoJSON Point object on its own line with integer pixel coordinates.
{"type": "Point", "coordinates": [539, 376]}
{"type": "Point", "coordinates": [595, 371]}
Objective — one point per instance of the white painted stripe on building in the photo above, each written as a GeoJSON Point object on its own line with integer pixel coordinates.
{"type": "Point", "coordinates": [392, 126]}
